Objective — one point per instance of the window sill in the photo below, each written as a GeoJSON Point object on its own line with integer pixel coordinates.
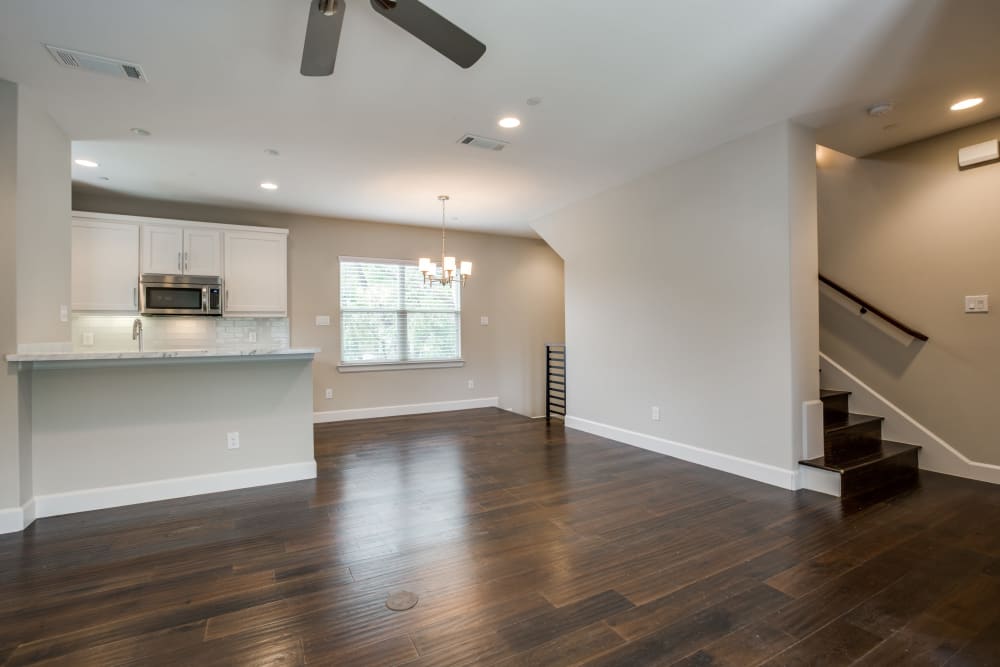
{"type": "Point", "coordinates": [398, 366]}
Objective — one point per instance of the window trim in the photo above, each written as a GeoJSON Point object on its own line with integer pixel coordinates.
{"type": "Point", "coordinates": [417, 364]}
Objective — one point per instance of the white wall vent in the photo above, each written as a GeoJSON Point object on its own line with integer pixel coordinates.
{"type": "Point", "coordinates": [99, 64]}
{"type": "Point", "coordinates": [987, 151]}
{"type": "Point", "coordinates": [483, 142]}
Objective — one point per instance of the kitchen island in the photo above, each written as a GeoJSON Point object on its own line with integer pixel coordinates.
{"type": "Point", "coordinates": [118, 428]}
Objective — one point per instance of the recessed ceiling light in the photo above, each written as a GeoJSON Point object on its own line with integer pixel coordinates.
{"type": "Point", "coordinates": [509, 122]}
{"type": "Point", "coordinates": [967, 104]}
{"type": "Point", "coordinates": [268, 185]}
{"type": "Point", "coordinates": [138, 131]}
{"type": "Point", "coordinates": [86, 163]}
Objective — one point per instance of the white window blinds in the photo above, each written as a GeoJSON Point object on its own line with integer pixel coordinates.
{"type": "Point", "coordinates": [387, 315]}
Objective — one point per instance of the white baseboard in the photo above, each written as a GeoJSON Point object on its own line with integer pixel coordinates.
{"type": "Point", "coordinates": [823, 481]}
{"type": "Point", "coordinates": [165, 489]}
{"type": "Point", "coordinates": [29, 512]}
{"type": "Point", "coordinates": [936, 455]}
{"type": "Point", "coordinates": [399, 410]}
{"type": "Point", "coordinates": [16, 519]}
{"type": "Point", "coordinates": [761, 472]}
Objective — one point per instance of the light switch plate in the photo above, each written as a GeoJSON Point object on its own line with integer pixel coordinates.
{"type": "Point", "coordinates": [484, 320]}
{"type": "Point", "coordinates": [655, 413]}
{"type": "Point", "coordinates": [977, 304]}
{"type": "Point", "coordinates": [88, 338]}
{"type": "Point", "coordinates": [64, 313]}
{"type": "Point", "coordinates": [322, 320]}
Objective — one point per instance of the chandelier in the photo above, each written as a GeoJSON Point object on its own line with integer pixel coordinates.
{"type": "Point", "coordinates": [446, 274]}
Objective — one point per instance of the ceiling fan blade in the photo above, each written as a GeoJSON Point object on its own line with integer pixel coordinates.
{"type": "Point", "coordinates": [433, 30]}
{"type": "Point", "coordinates": [322, 37]}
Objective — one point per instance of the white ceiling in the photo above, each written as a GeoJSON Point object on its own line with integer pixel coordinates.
{"type": "Point", "coordinates": [626, 86]}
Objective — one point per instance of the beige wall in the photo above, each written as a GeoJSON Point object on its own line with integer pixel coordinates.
{"type": "Point", "coordinates": [9, 408]}
{"type": "Point", "coordinates": [914, 235]}
{"type": "Point", "coordinates": [517, 284]}
{"type": "Point", "coordinates": [679, 294]}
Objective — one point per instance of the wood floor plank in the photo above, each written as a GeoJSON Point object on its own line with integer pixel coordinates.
{"type": "Point", "coordinates": [839, 643]}
{"type": "Point", "coordinates": [528, 544]}
{"type": "Point", "coordinates": [692, 632]}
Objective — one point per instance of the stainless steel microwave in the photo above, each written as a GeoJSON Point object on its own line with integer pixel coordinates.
{"type": "Point", "coordinates": [161, 294]}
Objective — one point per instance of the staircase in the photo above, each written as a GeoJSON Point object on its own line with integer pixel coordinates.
{"type": "Point", "coordinates": [853, 447]}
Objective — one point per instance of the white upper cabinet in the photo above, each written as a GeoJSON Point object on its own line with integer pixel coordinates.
{"type": "Point", "coordinates": [181, 250]}
{"type": "Point", "coordinates": [162, 249]}
{"type": "Point", "coordinates": [202, 252]}
{"type": "Point", "coordinates": [256, 273]}
{"type": "Point", "coordinates": [105, 266]}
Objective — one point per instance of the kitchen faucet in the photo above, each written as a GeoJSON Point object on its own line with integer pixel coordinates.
{"type": "Point", "coordinates": [137, 331]}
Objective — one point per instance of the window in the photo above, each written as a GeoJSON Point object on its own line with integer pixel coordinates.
{"type": "Point", "coordinates": [388, 316]}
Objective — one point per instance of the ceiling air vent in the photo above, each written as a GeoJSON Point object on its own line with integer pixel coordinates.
{"type": "Point", "coordinates": [483, 142]}
{"type": "Point", "coordinates": [99, 64]}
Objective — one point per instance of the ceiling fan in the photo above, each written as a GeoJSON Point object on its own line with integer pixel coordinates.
{"type": "Point", "coordinates": [327, 16]}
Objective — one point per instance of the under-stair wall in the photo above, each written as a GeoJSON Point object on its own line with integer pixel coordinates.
{"type": "Point", "coordinates": [936, 454]}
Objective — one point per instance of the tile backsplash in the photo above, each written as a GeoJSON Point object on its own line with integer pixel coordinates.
{"type": "Point", "coordinates": [113, 333]}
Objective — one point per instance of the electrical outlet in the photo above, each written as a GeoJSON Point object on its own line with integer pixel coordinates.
{"type": "Point", "coordinates": [252, 336]}
{"type": "Point", "coordinates": [322, 320]}
{"type": "Point", "coordinates": [88, 338]}
{"type": "Point", "coordinates": [977, 304]}
{"type": "Point", "coordinates": [655, 413]}
{"type": "Point", "coordinates": [472, 385]}
{"type": "Point", "coordinates": [329, 393]}
{"type": "Point", "coordinates": [233, 440]}
{"type": "Point", "coordinates": [64, 313]}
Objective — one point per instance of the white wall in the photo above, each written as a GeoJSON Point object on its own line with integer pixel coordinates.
{"type": "Point", "coordinates": [693, 289]}
{"type": "Point", "coordinates": [9, 407]}
{"type": "Point", "coordinates": [43, 224]}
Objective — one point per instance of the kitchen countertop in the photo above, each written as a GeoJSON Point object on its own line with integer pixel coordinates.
{"type": "Point", "coordinates": [89, 358]}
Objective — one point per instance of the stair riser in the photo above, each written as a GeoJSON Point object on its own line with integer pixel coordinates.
{"type": "Point", "coordinates": [853, 442]}
{"type": "Point", "coordinates": [835, 409]}
{"type": "Point", "coordinates": [895, 472]}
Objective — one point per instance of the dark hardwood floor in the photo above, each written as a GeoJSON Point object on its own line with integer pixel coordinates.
{"type": "Point", "coordinates": [528, 545]}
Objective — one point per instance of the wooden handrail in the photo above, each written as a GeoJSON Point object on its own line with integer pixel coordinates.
{"type": "Point", "coordinates": [867, 307]}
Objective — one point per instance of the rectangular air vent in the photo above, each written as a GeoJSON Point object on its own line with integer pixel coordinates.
{"type": "Point", "coordinates": [99, 64]}
{"type": "Point", "coordinates": [483, 142]}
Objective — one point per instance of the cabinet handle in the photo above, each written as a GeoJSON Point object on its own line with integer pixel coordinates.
{"type": "Point", "coordinates": [135, 297]}
{"type": "Point", "coordinates": [185, 260]}
{"type": "Point", "coordinates": [178, 261]}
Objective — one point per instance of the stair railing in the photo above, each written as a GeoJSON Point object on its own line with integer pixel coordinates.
{"type": "Point", "coordinates": [866, 307]}
{"type": "Point", "coordinates": [555, 381]}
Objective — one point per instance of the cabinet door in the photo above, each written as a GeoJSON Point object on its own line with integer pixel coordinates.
{"type": "Point", "coordinates": [105, 266]}
{"type": "Point", "coordinates": [162, 249]}
{"type": "Point", "coordinates": [202, 252]}
{"type": "Point", "coordinates": [256, 274]}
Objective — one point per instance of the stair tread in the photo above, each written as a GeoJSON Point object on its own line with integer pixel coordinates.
{"type": "Point", "coordinates": [852, 419]}
{"type": "Point", "coordinates": [890, 449]}
{"type": "Point", "coordinates": [829, 393]}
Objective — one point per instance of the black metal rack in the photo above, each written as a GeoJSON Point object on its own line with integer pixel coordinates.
{"type": "Point", "coordinates": [555, 381]}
